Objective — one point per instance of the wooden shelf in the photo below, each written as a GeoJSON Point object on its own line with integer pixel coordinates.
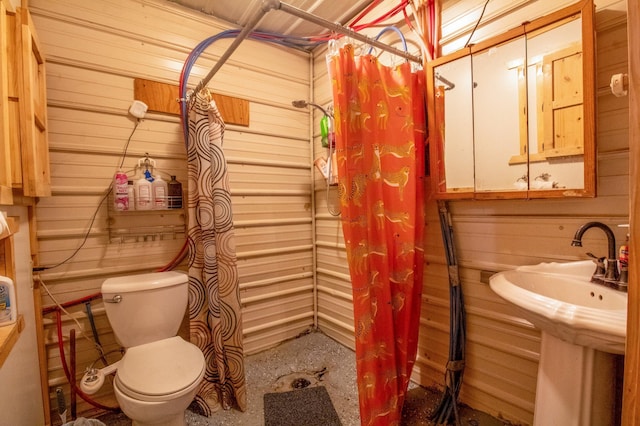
{"type": "Point", "coordinates": [8, 333]}
{"type": "Point", "coordinates": [8, 337]}
{"type": "Point", "coordinates": [7, 263]}
{"type": "Point", "coordinates": [13, 228]}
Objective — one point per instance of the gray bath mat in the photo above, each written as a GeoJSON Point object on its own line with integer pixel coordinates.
{"type": "Point", "coordinates": [301, 407]}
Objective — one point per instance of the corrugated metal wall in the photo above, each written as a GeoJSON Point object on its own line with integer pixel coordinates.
{"type": "Point", "coordinates": [502, 348]}
{"type": "Point", "coordinates": [94, 51]}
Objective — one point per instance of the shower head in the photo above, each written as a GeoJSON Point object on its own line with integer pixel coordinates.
{"type": "Point", "coordinates": [303, 104]}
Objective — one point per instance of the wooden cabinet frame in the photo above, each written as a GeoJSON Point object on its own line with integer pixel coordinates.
{"type": "Point", "coordinates": [24, 145]}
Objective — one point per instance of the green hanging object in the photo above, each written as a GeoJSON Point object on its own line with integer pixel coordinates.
{"type": "Point", "coordinates": [324, 130]}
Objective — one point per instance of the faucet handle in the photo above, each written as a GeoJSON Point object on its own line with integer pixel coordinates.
{"type": "Point", "coordinates": [599, 273]}
{"type": "Point", "coordinates": [611, 275]}
{"type": "Point", "coordinates": [596, 259]}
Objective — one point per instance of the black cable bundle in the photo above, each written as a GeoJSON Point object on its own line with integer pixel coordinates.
{"type": "Point", "coordinates": [447, 411]}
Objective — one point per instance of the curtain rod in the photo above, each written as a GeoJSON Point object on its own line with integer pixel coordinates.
{"type": "Point", "coordinates": [292, 10]}
{"type": "Point", "coordinates": [246, 30]}
{"type": "Point", "coordinates": [268, 5]}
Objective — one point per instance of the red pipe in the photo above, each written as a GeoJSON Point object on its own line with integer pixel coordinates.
{"type": "Point", "coordinates": [364, 12]}
{"type": "Point", "coordinates": [49, 309]}
{"type": "Point", "coordinates": [72, 384]}
{"type": "Point", "coordinates": [71, 380]}
{"type": "Point", "coordinates": [179, 257]}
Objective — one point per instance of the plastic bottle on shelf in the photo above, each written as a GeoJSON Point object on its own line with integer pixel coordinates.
{"type": "Point", "coordinates": [174, 194]}
{"type": "Point", "coordinates": [623, 262]}
{"type": "Point", "coordinates": [131, 195]}
{"type": "Point", "coordinates": [159, 190]}
{"type": "Point", "coordinates": [120, 191]}
{"type": "Point", "coordinates": [143, 194]}
{"type": "Point", "coordinates": [8, 309]}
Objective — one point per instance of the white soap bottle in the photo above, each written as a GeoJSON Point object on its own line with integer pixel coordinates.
{"type": "Point", "coordinates": [159, 189]}
{"type": "Point", "coordinates": [143, 194]}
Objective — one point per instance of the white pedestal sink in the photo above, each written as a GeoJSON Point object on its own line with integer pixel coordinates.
{"type": "Point", "coordinates": [575, 386]}
{"type": "Point", "coordinates": [583, 324]}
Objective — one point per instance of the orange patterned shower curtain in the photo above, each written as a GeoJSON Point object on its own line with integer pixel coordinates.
{"type": "Point", "coordinates": [380, 130]}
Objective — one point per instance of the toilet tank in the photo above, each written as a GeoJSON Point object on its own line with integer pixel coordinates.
{"type": "Point", "coordinates": [147, 307]}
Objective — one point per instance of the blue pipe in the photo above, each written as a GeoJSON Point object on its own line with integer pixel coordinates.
{"type": "Point", "coordinates": [391, 28]}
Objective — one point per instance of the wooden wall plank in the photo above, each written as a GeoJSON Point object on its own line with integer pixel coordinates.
{"type": "Point", "coordinates": [6, 193]}
{"type": "Point", "coordinates": [631, 397]}
{"type": "Point", "coordinates": [95, 52]}
{"type": "Point", "coordinates": [503, 348]}
{"type": "Point", "coordinates": [163, 97]}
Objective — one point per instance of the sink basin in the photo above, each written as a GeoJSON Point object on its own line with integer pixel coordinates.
{"type": "Point", "coordinates": [558, 298]}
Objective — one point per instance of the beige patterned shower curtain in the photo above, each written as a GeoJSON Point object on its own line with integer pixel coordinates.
{"type": "Point", "coordinates": [214, 300]}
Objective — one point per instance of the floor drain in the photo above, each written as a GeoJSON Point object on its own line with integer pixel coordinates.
{"type": "Point", "coordinates": [300, 383]}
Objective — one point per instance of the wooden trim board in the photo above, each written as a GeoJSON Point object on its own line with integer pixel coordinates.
{"type": "Point", "coordinates": [163, 97]}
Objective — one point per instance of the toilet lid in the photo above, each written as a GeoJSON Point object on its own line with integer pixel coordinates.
{"type": "Point", "coordinates": [160, 368]}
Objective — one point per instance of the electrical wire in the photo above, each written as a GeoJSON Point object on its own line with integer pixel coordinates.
{"type": "Point", "coordinates": [454, 370]}
{"type": "Point", "coordinates": [84, 240]}
{"type": "Point", "coordinates": [126, 146]}
{"type": "Point", "coordinates": [477, 23]}
{"type": "Point", "coordinates": [95, 213]}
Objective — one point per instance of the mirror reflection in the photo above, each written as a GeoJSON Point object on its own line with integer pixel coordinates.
{"type": "Point", "coordinates": [453, 95]}
{"type": "Point", "coordinates": [498, 74]}
{"type": "Point", "coordinates": [555, 106]}
{"type": "Point", "coordinates": [512, 117]}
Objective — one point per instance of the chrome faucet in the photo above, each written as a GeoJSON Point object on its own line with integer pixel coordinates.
{"type": "Point", "coordinates": [611, 273]}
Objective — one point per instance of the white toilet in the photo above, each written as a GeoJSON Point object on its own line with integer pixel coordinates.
{"type": "Point", "coordinates": [158, 376]}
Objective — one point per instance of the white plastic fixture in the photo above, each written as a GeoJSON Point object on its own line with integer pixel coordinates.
{"type": "Point", "coordinates": [582, 326]}
{"type": "Point", "coordinates": [138, 109]}
{"type": "Point", "coordinates": [559, 299]}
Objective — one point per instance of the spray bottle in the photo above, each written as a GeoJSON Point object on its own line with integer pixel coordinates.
{"type": "Point", "coordinates": [623, 262]}
{"type": "Point", "coordinates": [120, 192]}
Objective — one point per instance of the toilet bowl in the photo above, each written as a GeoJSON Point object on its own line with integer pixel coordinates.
{"type": "Point", "coordinates": [159, 373]}
{"type": "Point", "coordinates": [156, 382]}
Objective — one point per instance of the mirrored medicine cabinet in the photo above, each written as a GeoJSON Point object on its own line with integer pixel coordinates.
{"type": "Point", "coordinates": [514, 116]}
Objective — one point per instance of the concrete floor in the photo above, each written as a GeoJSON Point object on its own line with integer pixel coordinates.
{"type": "Point", "coordinates": [322, 361]}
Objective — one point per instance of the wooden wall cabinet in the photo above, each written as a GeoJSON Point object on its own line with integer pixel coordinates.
{"type": "Point", "coordinates": [24, 164]}
{"type": "Point", "coordinates": [513, 117]}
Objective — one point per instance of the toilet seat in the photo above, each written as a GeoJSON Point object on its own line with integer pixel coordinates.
{"type": "Point", "coordinates": [160, 370]}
